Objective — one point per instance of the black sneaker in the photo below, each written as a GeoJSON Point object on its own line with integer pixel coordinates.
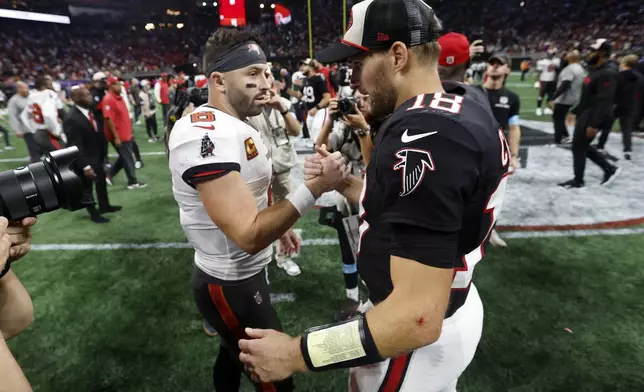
{"type": "Point", "coordinates": [99, 219]}
{"type": "Point", "coordinates": [628, 156]}
{"type": "Point", "coordinates": [209, 329]}
{"type": "Point", "coordinates": [571, 184]}
{"type": "Point", "coordinates": [610, 175]}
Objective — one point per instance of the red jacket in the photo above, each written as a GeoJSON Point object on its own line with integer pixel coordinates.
{"type": "Point", "coordinates": [165, 96]}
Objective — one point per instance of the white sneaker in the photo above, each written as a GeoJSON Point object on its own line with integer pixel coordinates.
{"type": "Point", "coordinates": [547, 112]}
{"type": "Point", "coordinates": [138, 164]}
{"type": "Point", "coordinates": [150, 140]}
{"type": "Point", "coordinates": [496, 240]}
{"type": "Point", "coordinates": [288, 265]}
{"type": "Point", "coordinates": [539, 112]}
{"type": "Point", "coordinates": [537, 84]}
{"type": "Point", "coordinates": [108, 180]}
{"type": "Point", "coordinates": [9, 148]}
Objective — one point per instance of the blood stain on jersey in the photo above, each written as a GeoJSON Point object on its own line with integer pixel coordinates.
{"type": "Point", "coordinates": [251, 149]}
{"type": "Point", "coordinates": [413, 163]}
{"type": "Point", "coordinates": [207, 147]}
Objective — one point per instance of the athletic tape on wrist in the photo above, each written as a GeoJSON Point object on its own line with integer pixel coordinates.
{"type": "Point", "coordinates": [302, 199]}
{"type": "Point", "coordinates": [339, 345]}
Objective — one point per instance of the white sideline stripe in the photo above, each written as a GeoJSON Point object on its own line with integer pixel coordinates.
{"type": "Point", "coordinates": [334, 241]}
{"type": "Point", "coordinates": [26, 159]}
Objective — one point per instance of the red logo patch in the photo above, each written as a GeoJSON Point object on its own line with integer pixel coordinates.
{"type": "Point", "coordinates": [382, 37]}
{"type": "Point", "coordinates": [587, 80]}
{"type": "Point", "coordinates": [251, 149]}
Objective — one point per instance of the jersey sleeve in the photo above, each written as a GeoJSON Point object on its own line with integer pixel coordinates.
{"type": "Point", "coordinates": [321, 87]}
{"type": "Point", "coordinates": [429, 173]}
{"type": "Point", "coordinates": [515, 110]}
{"type": "Point", "coordinates": [198, 154]}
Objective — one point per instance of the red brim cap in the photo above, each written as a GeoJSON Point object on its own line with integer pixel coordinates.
{"type": "Point", "coordinates": [112, 80]}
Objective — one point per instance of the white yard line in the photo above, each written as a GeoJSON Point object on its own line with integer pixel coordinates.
{"type": "Point", "coordinates": [334, 241]}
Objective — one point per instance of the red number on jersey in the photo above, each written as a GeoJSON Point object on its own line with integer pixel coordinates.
{"type": "Point", "coordinates": [202, 117]}
{"type": "Point", "coordinates": [446, 102]}
{"type": "Point", "coordinates": [36, 114]}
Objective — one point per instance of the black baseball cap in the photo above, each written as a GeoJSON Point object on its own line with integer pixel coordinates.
{"type": "Point", "coordinates": [376, 24]}
{"type": "Point", "coordinates": [501, 57]}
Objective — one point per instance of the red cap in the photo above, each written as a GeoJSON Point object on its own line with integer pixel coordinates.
{"type": "Point", "coordinates": [455, 49]}
{"type": "Point", "coordinates": [112, 80]}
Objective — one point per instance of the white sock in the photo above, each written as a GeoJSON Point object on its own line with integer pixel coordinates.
{"type": "Point", "coordinates": [353, 294]}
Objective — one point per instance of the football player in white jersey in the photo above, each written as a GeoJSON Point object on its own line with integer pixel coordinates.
{"type": "Point", "coordinates": [547, 68]}
{"type": "Point", "coordinates": [221, 175]}
{"type": "Point", "coordinates": [41, 116]}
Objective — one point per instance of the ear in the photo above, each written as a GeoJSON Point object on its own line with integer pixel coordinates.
{"type": "Point", "coordinates": [217, 81]}
{"type": "Point", "coordinates": [400, 56]}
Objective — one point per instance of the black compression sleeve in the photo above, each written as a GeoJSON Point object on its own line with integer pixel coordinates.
{"type": "Point", "coordinates": [565, 86]}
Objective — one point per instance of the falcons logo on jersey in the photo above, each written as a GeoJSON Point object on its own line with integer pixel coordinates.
{"type": "Point", "coordinates": [413, 163]}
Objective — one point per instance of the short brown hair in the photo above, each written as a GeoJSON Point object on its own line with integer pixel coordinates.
{"type": "Point", "coordinates": [222, 40]}
{"type": "Point", "coordinates": [427, 53]}
{"type": "Point", "coordinates": [629, 60]}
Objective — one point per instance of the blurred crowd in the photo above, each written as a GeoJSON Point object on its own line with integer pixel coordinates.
{"type": "Point", "coordinates": [76, 51]}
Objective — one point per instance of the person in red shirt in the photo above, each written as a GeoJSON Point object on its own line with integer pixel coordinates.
{"type": "Point", "coordinates": [165, 96]}
{"type": "Point", "coordinates": [321, 69]}
{"type": "Point", "coordinates": [118, 131]}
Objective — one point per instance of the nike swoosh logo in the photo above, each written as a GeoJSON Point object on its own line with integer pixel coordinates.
{"type": "Point", "coordinates": [211, 127]}
{"type": "Point", "coordinates": [408, 139]}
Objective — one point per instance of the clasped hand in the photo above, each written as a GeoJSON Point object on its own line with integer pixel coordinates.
{"type": "Point", "coordinates": [324, 171]}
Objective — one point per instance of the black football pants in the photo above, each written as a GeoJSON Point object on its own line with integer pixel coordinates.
{"type": "Point", "coordinates": [559, 120]}
{"type": "Point", "coordinates": [626, 126]}
{"type": "Point", "coordinates": [230, 307]}
{"type": "Point", "coordinates": [581, 148]}
{"type": "Point", "coordinates": [125, 161]}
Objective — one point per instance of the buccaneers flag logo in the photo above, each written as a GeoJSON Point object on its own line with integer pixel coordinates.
{"type": "Point", "coordinates": [413, 163]}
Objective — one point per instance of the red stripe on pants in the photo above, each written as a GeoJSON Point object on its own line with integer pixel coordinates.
{"type": "Point", "coordinates": [54, 142]}
{"type": "Point", "coordinates": [395, 374]}
{"type": "Point", "coordinates": [226, 313]}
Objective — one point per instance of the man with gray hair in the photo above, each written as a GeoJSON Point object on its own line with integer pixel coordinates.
{"type": "Point", "coordinates": [15, 107]}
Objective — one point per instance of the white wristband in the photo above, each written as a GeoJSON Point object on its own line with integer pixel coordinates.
{"type": "Point", "coordinates": [302, 199]}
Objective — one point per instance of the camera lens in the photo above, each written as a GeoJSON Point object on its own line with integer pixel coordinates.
{"type": "Point", "coordinates": [45, 186]}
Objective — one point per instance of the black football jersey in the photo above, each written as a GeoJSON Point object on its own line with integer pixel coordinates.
{"type": "Point", "coordinates": [313, 90]}
{"type": "Point", "coordinates": [344, 76]}
{"type": "Point", "coordinates": [439, 163]}
{"type": "Point", "coordinates": [505, 104]}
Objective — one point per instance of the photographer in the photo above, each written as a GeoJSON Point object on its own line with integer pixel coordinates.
{"type": "Point", "coordinates": [346, 130]}
{"type": "Point", "coordinates": [16, 308]}
{"type": "Point", "coordinates": [277, 124]}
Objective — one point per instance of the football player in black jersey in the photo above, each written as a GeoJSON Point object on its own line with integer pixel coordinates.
{"type": "Point", "coordinates": [432, 192]}
{"type": "Point", "coordinates": [344, 81]}
{"type": "Point", "coordinates": [315, 95]}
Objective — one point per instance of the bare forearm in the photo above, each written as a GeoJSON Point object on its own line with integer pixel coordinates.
{"type": "Point", "coordinates": [293, 127]}
{"type": "Point", "coordinates": [351, 189]}
{"type": "Point", "coordinates": [325, 101]}
{"type": "Point", "coordinates": [398, 327]}
{"type": "Point", "coordinates": [365, 147]}
{"type": "Point", "coordinates": [294, 93]}
{"type": "Point", "coordinates": [13, 379]}
{"type": "Point", "coordinates": [111, 127]}
{"type": "Point", "coordinates": [270, 224]}
{"type": "Point", "coordinates": [514, 139]}
{"type": "Point", "coordinates": [323, 137]}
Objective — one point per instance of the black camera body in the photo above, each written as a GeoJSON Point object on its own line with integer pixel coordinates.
{"type": "Point", "coordinates": [55, 182]}
{"type": "Point", "coordinates": [345, 106]}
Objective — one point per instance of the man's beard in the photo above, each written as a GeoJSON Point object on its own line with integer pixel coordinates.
{"type": "Point", "coordinates": [243, 105]}
{"type": "Point", "coordinates": [383, 96]}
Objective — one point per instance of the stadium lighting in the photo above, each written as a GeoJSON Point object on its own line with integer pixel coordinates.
{"type": "Point", "coordinates": [194, 65]}
{"type": "Point", "coordinates": [522, 3]}
{"type": "Point", "coordinates": [272, 5]}
{"type": "Point", "coordinates": [221, 17]}
{"type": "Point", "coordinates": [35, 16]}
{"type": "Point", "coordinates": [149, 26]}
{"type": "Point", "coordinates": [179, 25]}
{"type": "Point", "coordinates": [214, 4]}
{"type": "Point", "coordinates": [261, 6]}
{"type": "Point", "coordinates": [203, 4]}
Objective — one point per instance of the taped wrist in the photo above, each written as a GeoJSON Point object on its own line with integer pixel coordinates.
{"type": "Point", "coordinates": [339, 345]}
{"type": "Point", "coordinates": [5, 269]}
{"type": "Point", "coordinates": [302, 199]}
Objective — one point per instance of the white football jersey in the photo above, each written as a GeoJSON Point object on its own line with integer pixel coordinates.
{"type": "Point", "coordinates": [202, 144]}
{"type": "Point", "coordinates": [548, 68]}
{"type": "Point", "coordinates": [41, 112]}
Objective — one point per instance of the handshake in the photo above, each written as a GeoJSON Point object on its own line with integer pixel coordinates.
{"type": "Point", "coordinates": [324, 171]}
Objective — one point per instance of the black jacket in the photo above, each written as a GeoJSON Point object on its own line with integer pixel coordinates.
{"type": "Point", "coordinates": [89, 140]}
{"type": "Point", "coordinates": [598, 94]}
{"type": "Point", "coordinates": [630, 85]}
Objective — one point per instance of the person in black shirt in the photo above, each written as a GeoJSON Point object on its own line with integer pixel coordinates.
{"type": "Point", "coordinates": [343, 79]}
{"type": "Point", "coordinates": [315, 96]}
{"type": "Point", "coordinates": [505, 104]}
{"type": "Point", "coordinates": [432, 191]}
{"type": "Point", "coordinates": [594, 111]}
{"type": "Point", "coordinates": [98, 91]}
{"type": "Point", "coordinates": [628, 100]}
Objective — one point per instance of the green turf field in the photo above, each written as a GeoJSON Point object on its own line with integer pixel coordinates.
{"type": "Point", "coordinates": [124, 320]}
